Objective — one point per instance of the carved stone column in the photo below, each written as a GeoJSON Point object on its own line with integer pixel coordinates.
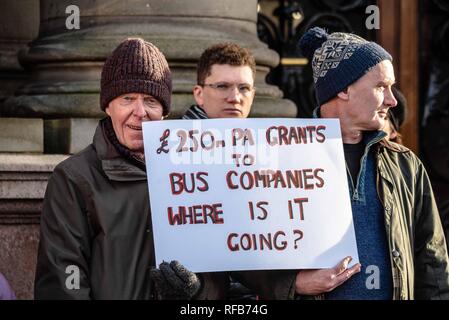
{"type": "Point", "coordinates": [66, 63]}
{"type": "Point", "coordinates": [19, 25]}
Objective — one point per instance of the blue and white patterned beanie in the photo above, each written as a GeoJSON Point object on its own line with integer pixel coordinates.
{"type": "Point", "coordinates": [338, 60]}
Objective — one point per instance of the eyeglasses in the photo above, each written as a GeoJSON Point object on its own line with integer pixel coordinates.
{"type": "Point", "coordinates": [225, 88]}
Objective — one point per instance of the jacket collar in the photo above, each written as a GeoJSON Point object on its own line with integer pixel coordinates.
{"type": "Point", "coordinates": [317, 112]}
{"type": "Point", "coordinates": [195, 112]}
{"type": "Point", "coordinates": [115, 166]}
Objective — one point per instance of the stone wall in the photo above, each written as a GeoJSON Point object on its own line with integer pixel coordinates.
{"type": "Point", "coordinates": [23, 179]}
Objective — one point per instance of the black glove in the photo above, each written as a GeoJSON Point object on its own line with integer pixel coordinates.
{"type": "Point", "coordinates": [174, 282]}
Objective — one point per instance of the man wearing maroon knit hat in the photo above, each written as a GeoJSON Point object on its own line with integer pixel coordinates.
{"type": "Point", "coordinates": [96, 234]}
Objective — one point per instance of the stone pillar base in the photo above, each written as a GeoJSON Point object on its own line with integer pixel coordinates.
{"type": "Point", "coordinates": [68, 136]}
{"type": "Point", "coordinates": [23, 180]}
{"type": "Point", "coordinates": [21, 135]}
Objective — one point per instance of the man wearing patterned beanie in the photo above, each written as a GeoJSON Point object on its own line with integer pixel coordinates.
{"type": "Point", "coordinates": [96, 239]}
{"type": "Point", "coordinates": [399, 236]}
{"type": "Point", "coordinates": [400, 240]}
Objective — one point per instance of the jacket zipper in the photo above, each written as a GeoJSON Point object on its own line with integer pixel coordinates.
{"type": "Point", "coordinates": [397, 278]}
{"type": "Point", "coordinates": [355, 195]}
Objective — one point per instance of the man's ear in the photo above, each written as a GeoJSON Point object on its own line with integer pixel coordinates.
{"type": "Point", "coordinates": [198, 95]}
{"type": "Point", "coordinates": [108, 112]}
{"type": "Point", "coordinates": [344, 95]}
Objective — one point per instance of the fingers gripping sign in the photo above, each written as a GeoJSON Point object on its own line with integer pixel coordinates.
{"type": "Point", "coordinates": [318, 281]}
{"type": "Point", "coordinates": [173, 281]}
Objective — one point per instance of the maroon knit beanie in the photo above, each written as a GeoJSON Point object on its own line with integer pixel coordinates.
{"type": "Point", "coordinates": [136, 66]}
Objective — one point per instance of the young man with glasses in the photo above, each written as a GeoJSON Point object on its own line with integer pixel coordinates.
{"type": "Point", "coordinates": [225, 89]}
{"type": "Point", "coordinates": [225, 83]}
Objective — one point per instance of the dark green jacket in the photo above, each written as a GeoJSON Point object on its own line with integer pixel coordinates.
{"type": "Point", "coordinates": [416, 240]}
{"type": "Point", "coordinates": [96, 216]}
{"type": "Point", "coordinates": [415, 235]}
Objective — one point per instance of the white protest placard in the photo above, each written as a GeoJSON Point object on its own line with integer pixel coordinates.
{"type": "Point", "coordinates": [249, 194]}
